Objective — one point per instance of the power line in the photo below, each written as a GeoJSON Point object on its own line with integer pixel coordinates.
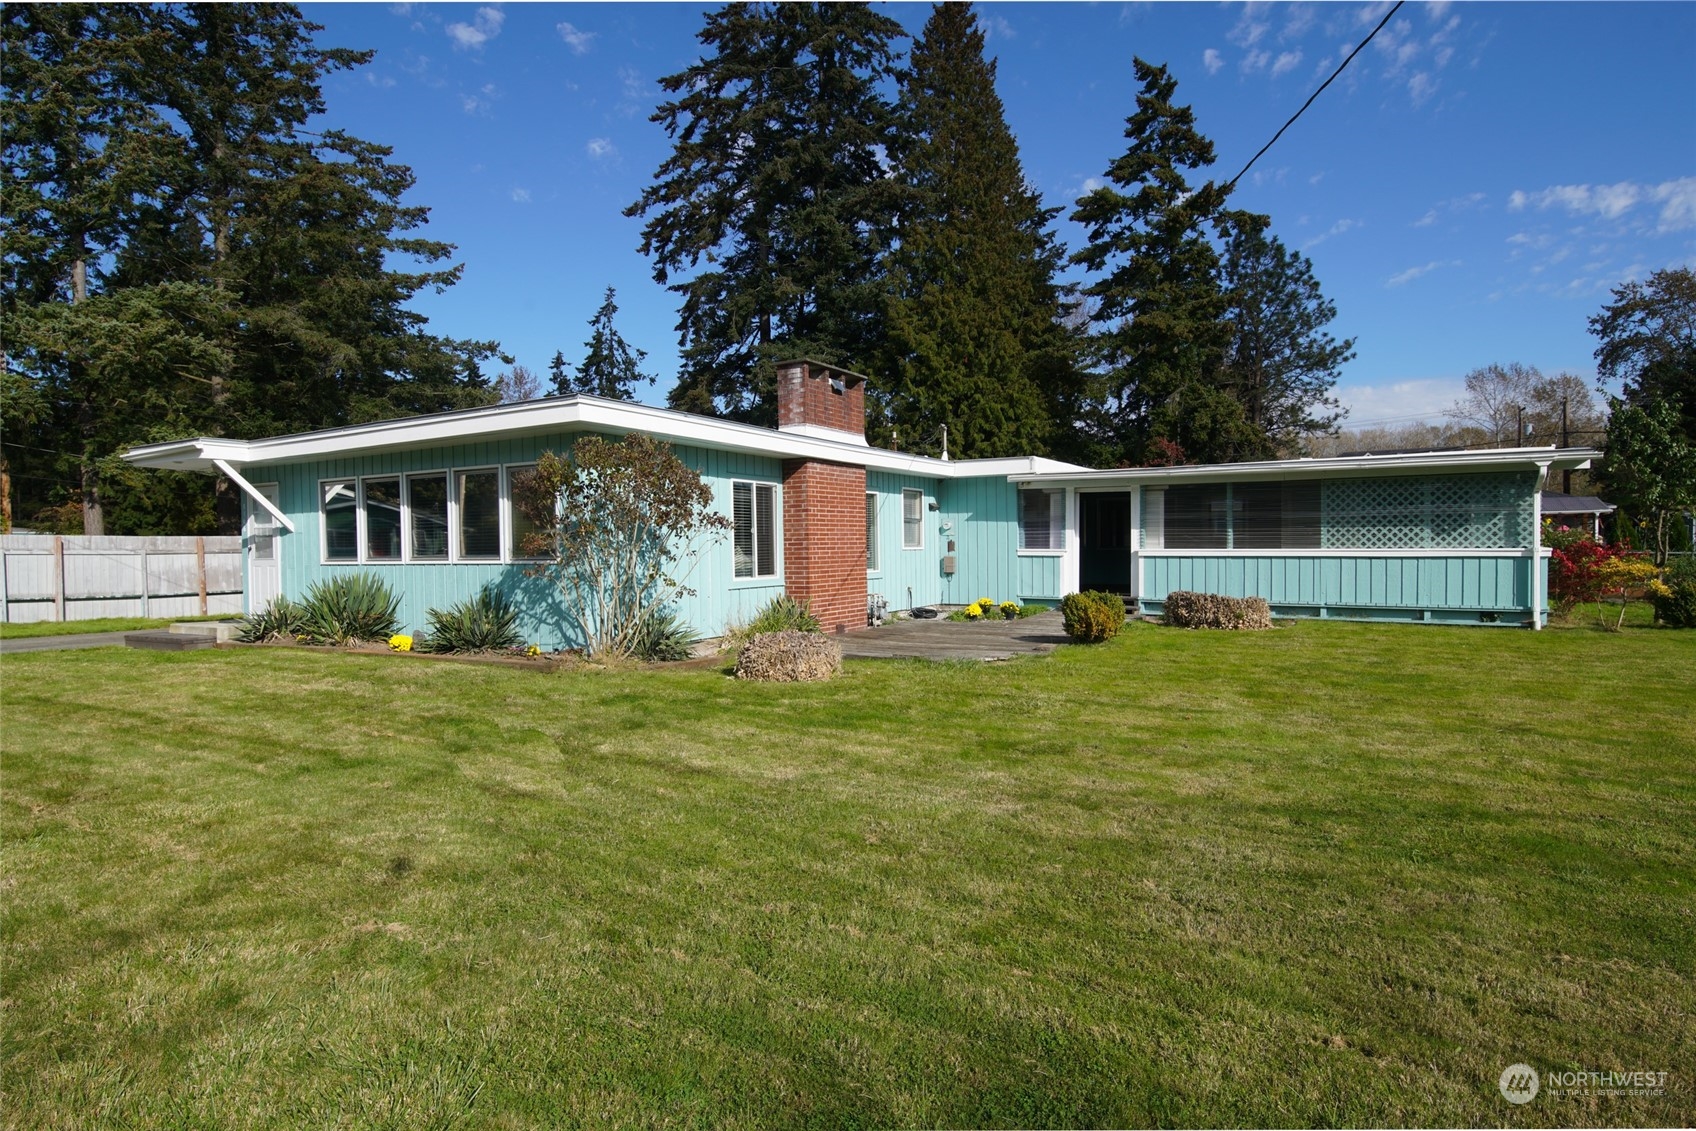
{"type": "Point", "coordinates": [1232, 183]}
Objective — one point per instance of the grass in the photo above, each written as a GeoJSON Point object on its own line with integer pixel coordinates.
{"type": "Point", "coordinates": [98, 624]}
{"type": "Point", "coordinates": [1332, 874]}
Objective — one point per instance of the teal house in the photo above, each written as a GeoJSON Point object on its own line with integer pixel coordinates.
{"type": "Point", "coordinates": [818, 513]}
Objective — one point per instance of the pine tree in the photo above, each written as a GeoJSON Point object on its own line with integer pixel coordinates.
{"type": "Point", "coordinates": [776, 181]}
{"type": "Point", "coordinates": [1281, 364]}
{"type": "Point", "coordinates": [975, 340]}
{"type": "Point", "coordinates": [611, 366]}
{"type": "Point", "coordinates": [1165, 338]}
{"type": "Point", "coordinates": [249, 257]}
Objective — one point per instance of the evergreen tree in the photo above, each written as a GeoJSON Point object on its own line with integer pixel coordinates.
{"type": "Point", "coordinates": [249, 257]}
{"type": "Point", "coordinates": [1647, 341]}
{"type": "Point", "coordinates": [1281, 364]}
{"type": "Point", "coordinates": [1165, 337]}
{"type": "Point", "coordinates": [975, 340]}
{"type": "Point", "coordinates": [611, 366]}
{"type": "Point", "coordinates": [776, 180]}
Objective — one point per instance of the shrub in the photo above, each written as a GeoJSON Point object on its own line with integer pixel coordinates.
{"type": "Point", "coordinates": [487, 622]}
{"type": "Point", "coordinates": [1032, 610]}
{"type": "Point", "coordinates": [782, 613]}
{"type": "Point", "coordinates": [350, 608]}
{"type": "Point", "coordinates": [282, 619]}
{"type": "Point", "coordinates": [1091, 617]}
{"type": "Point", "coordinates": [789, 657]}
{"type": "Point", "coordinates": [1676, 608]}
{"type": "Point", "coordinates": [1212, 610]}
{"type": "Point", "coordinates": [1575, 560]}
{"type": "Point", "coordinates": [663, 637]}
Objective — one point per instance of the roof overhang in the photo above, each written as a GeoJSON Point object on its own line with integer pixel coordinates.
{"type": "Point", "coordinates": [1499, 459]}
{"type": "Point", "coordinates": [555, 415]}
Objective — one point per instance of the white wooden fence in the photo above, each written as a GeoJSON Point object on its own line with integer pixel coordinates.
{"type": "Point", "coordinates": [54, 577]}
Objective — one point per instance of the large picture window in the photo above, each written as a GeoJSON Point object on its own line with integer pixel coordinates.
{"type": "Point", "coordinates": [912, 519]}
{"type": "Point", "coordinates": [1196, 517]}
{"type": "Point", "coordinates": [1042, 519]}
{"type": "Point", "coordinates": [479, 514]}
{"type": "Point", "coordinates": [427, 513]}
{"type": "Point", "coordinates": [518, 479]}
{"type": "Point", "coordinates": [341, 521]}
{"type": "Point", "coordinates": [754, 539]}
{"type": "Point", "coordinates": [382, 518]}
{"type": "Point", "coordinates": [1275, 516]}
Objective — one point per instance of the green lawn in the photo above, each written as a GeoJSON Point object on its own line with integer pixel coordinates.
{"type": "Point", "coordinates": [99, 624]}
{"type": "Point", "coordinates": [1332, 874]}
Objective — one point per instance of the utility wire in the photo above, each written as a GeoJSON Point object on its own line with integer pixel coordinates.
{"type": "Point", "coordinates": [1232, 183]}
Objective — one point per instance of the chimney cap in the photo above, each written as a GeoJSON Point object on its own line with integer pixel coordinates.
{"type": "Point", "coordinates": [817, 367]}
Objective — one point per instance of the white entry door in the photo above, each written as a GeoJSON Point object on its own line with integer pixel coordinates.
{"type": "Point", "coordinates": [264, 570]}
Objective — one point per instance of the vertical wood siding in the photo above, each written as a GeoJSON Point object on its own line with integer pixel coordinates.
{"type": "Point", "coordinates": [985, 514]}
{"type": "Point", "coordinates": [1457, 582]}
{"type": "Point", "coordinates": [900, 570]}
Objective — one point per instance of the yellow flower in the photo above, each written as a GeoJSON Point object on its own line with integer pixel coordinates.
{"type": "Point", "coordinates": [1659, 588]}
{"type": "Point", "coordinates": [533, 651]}
{"type": "Point", "coordinates": [973, 612]}
{"type": "Point", "coordinates": [400, 642]}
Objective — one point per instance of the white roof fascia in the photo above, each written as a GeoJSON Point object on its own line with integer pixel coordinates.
{"type": "Point", "coordinates": [560, 414]}
{"type": "Point", "coordinates": [1360, 466]}
{"type": "Point", "coordinates": [824, 432]}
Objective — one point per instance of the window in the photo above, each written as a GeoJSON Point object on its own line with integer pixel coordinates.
{"type": "Point", "coordinates": [341, 521]}
{"type": "Point", "coordinates": [912, 519]}
{"type": "Point", "coordinates": [871, 532]}
{"type": "Point", "coordinates": [754, 542]}
{"type": "Point", "coordinates": [1275, 516]}
{"type": "Point", "coordinates": [1042, 519]}
{"type": "Point", "coordinates": [427, 517]}
{"type": "Point", "coordinates": [382, 519]}
{"type": "Point", "coordinates": [517, 479]}
{"type": "Point", "coordinates": [479, 514]}
{"type": "Point", "coordinates": [1195, 517]}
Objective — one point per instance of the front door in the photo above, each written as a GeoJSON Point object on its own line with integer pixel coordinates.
{"type": "Point", "coordinates": [264, 570]}
{"type": "Point", "coordinates": [1104, 541]}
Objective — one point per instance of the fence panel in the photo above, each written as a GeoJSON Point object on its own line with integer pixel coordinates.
{"type": "Point", "coordinates": [47, 577]}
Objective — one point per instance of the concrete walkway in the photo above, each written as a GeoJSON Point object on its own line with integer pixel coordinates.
{"type": "Point", "coordinates": [954, 640]}
{"type": "Point", "coordinates": [60, 643]}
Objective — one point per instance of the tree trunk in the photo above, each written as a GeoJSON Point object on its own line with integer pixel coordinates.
{"type": "Point", "coordinates": [5, 496]}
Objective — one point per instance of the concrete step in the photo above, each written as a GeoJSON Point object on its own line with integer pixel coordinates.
{"type": "Point", "coordinates": [219, 630]}
{"type": "Point", "coordinates": [169, 641]}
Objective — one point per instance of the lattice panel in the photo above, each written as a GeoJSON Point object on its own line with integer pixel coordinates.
{"type": "Point", "coordinates": [1447, 512]}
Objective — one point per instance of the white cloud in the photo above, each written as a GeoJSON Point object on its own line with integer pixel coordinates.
{"type": "Point", "coordinates": [1286, 61]}
{"type": "Point", "coordinates": [1421, 87]}
{"type": "Point", "coordinates": [994, 27]}
{"type": "Point", "coordinates": [471, 36]}
{"type": "Point", "coordinates": [382, 82]}
{"type": "Point", "coordinates": [1677, 200]}
{"type": "Point", "coordinates": [521, 196]}
{"type": "Point", "coordinates": [601, 148]}
{"type": "Point", "coordinates": [578, 41]}
{"type": "Point", "coordinates": [1250, 27]}
{"type": "Point", "coordinates": [1413, 273]}
{"type": "Point", "coordinates": [1212, 60]}
{"type": "Point", "coordinates": [482, 101]}
{"type": "Point", "coordinates": [1256, 61]}
{"type": "Point", "coordinates": [1400, 402]}
{"type": "Point", "coordinates": [1336, 229]}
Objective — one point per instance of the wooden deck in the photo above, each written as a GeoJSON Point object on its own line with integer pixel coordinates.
{"type": "Point", "coordinates": [953, 640]}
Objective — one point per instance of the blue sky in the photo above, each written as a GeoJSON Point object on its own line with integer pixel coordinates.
{"type": "Point", "coordinates": [1469, 190]}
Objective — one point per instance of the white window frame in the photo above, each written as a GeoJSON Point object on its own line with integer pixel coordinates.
{"type": "Point", "coordinates": [507, 510]}
{"type": "Point", "coordinates": [756, 577]}
{"type": "Point", "coordinates": [874, 564]}
{"type": "Point", "coordinates": [1056, 523]}
{"type": "Point", "coordinates": [920, 525]}
{"type": "Point", "coordinates": [456, 551]}
{"type": "Point", "coordinates": [364, 527]}
{"type": "Point", "coordinates": [406, 478]}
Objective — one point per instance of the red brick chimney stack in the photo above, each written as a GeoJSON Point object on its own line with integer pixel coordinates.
{"type": "Point", "coordinates": [824, 400]}
{"type": "Point", "coordinates": [824, 501]}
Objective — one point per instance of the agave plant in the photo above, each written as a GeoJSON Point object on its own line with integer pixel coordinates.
{"type": "Point", "coordinates": [487, 622]}
{"type": "Point", "coordinates": [350, 608]}
{"type": "Point", "coordinates": [782, 613]}
{"type": "Point", "coordinates": [664, 636]}
{"type": "Point", "coordinates": [282, 619]}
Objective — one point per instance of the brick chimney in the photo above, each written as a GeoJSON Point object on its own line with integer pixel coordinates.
{"type": "Point", "coordinates": [821, 400]}
{"type": "Point", "coordinates": [824, 502]}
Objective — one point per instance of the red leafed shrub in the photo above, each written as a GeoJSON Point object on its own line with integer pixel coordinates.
{"type": "Point", "coordinates": [1574, 565]}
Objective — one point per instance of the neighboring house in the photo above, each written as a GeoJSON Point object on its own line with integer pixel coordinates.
{"type": "Point", "coordinates": [1581, 512]}
{"type": "Point", "coordinates": [821, 515]}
